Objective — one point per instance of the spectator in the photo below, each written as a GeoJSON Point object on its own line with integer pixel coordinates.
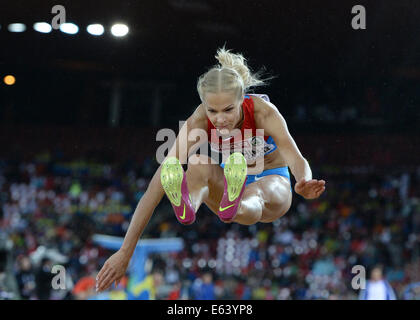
{"type": "Point", "coordinates": [377, 288]}
{"type": "Point", "coordinates": [25, 278]}
{"type": "Point", "coordinates": [43, 279]}
{"type": "Point", "coordinates": [205, 287]}
{"type": "Point", "coordinates": [366, 217]}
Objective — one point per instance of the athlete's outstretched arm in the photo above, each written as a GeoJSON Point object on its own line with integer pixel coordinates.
{"type": "Point", "coordinates": [115, 267]}
{"type": "Point", "coordinates": [275, 125]}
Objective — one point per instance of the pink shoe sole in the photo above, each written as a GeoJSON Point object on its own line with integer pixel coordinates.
{"type": "Point", "coordinates": [235, 176]}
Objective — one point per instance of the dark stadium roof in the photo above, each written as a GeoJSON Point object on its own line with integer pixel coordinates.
{"type": "Point", "coordinates": [289, 37]}
{"type": "Point", "coordinates": [316, 57]}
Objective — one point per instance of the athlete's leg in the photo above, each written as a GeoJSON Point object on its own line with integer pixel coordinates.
{"type": "Point", "coordinates": [205, 182]}
{"type": "Point", "coordinates": [199, 172]}
{"type": "Point", "coordinates": [211, 179]}
{"type": "Point", "coordinates": [265, 200]}
{"type": "Point", "coordinates": [201, 178]}
{"type": "Point", "coordinates": [187, 190]}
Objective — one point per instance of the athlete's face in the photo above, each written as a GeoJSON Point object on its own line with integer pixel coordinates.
{"type": "Point", "coordinates": [223, 110]}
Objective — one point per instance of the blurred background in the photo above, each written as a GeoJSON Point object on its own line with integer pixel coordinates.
{"type": "Point", "coordinates": [80, 108]}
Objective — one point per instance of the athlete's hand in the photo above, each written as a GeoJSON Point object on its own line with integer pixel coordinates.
{"type": "Point", "coordinates": [113, 270]}
{"type": "Point", "coordinates": [310, 189]}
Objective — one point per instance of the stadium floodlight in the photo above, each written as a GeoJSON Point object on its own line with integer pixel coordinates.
{"type": "Point", "coordinates": [69, 28]}
{"type": "Point", "coordinates": [95, 29]}
{"type": "Point", "coordinates": [16, 27]}
{"type": "Point", "coordinates": [42, 27]}
{"type": "Point", "coordinates": [119, 30]}
{"type": "Point", "coordinates": [9, 80]}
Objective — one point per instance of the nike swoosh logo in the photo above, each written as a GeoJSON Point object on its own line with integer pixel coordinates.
{"type": "Point", "coordinates": [223, 209]}
{"type": "Point", "coordinates": [183, 215]}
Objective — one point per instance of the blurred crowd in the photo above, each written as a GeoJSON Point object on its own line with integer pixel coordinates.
{"type": "Point", "coordinates": [50, 208]}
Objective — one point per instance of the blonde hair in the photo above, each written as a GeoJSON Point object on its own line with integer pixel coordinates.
{"type": "Point", "coordinates": [232, 74]}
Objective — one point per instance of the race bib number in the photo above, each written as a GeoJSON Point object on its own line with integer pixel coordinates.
{"type": "Point", "coordinates": [252, 148]}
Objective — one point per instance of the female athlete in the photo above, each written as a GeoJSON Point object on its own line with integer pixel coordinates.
{"type": "Point", "coordinates": [238, 190]}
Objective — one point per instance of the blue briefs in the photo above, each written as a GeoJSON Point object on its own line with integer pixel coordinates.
{"type": "Point", "coordinates": [282, 171]}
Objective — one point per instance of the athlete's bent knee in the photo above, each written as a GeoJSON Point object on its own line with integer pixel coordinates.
{"type": "Point", "coordinates": [248, 215]}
